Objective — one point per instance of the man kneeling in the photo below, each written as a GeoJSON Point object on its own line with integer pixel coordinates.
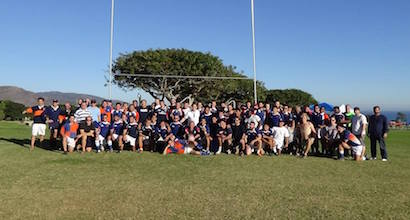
{"type": "Point", "coordinates": [349, 141]}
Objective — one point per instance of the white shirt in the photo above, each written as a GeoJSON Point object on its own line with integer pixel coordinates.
{"type": "Point", "coordinates": [358, 123]}
{"type": "Point", "coordinates": [255, 119]}
{"type": "Point", "coordinates": [279, 135]}
{"type": "Point", "coordinates": [193, 115]}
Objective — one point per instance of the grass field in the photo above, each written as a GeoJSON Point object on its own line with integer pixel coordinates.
{"type": "Point", "coordinates": [48, 185]}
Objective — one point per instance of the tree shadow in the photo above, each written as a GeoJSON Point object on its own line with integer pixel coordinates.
{"type": "Point", "coordinates": [25, 143]}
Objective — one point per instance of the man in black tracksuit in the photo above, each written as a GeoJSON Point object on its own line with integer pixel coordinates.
{"type": "Point", "coordinates": [378, 128]}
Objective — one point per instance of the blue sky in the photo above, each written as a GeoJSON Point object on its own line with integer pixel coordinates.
{"type": "Point", "coordinates": [341, 51]}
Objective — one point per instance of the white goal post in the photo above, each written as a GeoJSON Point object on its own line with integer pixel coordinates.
{"type": "Point", "coordinates": [184, 77]}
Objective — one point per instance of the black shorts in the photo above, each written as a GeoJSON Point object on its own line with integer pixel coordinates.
{"type": "Point", "coordinates": [90, 142]}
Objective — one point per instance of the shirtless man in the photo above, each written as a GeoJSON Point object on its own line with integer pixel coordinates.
{"type": "Point", "coordinates": [307, 133]}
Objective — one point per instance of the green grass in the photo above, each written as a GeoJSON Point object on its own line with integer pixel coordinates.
{"type": "Point", "coordinates": [48, 185]}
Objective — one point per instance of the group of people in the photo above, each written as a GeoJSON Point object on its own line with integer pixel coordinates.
{"type": "Point", "coordinates": [183, 128]}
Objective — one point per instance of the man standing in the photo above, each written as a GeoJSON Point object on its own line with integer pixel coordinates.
{"type": "Point", "coordinates": [95, 112]}
{"type": "Point", "coordinates": [82, 113]}
{"type": "Point", "coordinates": [39, 119]}
{"type": "Point", "coordinates": [52, 113]}
{"type": "Point", "coordinates": [378, 128]}
{"type": "Point", "coordinates": [359, 125]}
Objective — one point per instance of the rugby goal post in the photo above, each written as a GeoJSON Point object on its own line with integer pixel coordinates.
{"type": "Point", "coordinates": [185, 77]}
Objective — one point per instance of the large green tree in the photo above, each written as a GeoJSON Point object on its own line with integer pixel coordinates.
{"type": "Point", "coordinates": [11, 110]}
{"type": "Point", "coordinates": [182, 62]}
{"type": "Point", "coordinates": [291, 97]}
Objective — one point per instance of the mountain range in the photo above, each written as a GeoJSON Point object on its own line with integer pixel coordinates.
{"type": "Point", "coordinates": [29, 98]}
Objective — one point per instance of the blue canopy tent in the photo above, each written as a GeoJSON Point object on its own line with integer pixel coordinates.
{"type": "Point", "coordinates": [328, 107]}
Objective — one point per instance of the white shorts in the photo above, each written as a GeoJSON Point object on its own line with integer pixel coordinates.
{"type": "Point", "coordinates": [100, 140]}
{"type": "Point", "coordinates": [357, 150]}
{"type": "Point", "coordinates": [114, 137]}
{"type": "Point", "coordinates": [188, 150]}
{"type": "Point", "coordinates": [279, 147]}
{"type": "Point", "coordinates": [38, 129]}
{"type": "Point", "coordinates": [130, 140]}
{"type": "Point", "coordinates": [70, 142]}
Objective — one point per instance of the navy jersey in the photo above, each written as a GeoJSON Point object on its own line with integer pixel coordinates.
{"type": "Point", "coordinates": [176, 128]}
{"type": "Point", "coordinates": [268, 133]}
{"type": "Point", "coordinates": [144, 114]}
{"type": "Point", "coordinates": [53, 114]}
{"type": "Point", "coordinates": [276, 119]}
{"type": "Point", "coordinates": [117, 113]}
{"type": "Point", "coordinates": [252, 134]}
{"type": "Point", "coordinates": [117, 127]}
{"type": "Point", "coordinates": [261, 115]}
{"type": "Point", "coordinates": [162, 132]}
{"type": "Point", "coordinates": [208, 117]}
{"type": "Point", "coordinates": [132, 129]}
{"type": "Point", "coordinates": [147, 130]}
{"type": "Point", "coordinates": [316, 119]}
{"type": "Point", "coordinates": [105, 128]}
{"type": "Point", "coordinates": [129, 114]}
{"type": "Point", "coordinates": [203, 129]}
{"type": "Point", "coordinates": [161, 114]}
{"type": "Point", "coordinates": [227, 131]}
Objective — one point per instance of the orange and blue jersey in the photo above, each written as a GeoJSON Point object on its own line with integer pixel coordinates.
{"type": "Point", "coordinates": [178, 148]}
{"type": "Point", "coordinates": [106, 111]}
{"type": "Point", "coordinates": [350, 139]}
{"type": "Point", "coordinates": [38, 114]}
{"type": "Point", "coordinates": [69, 130]}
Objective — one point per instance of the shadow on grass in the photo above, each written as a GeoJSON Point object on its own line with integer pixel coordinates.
{"type": "Point", "coordinates": [25, 143]}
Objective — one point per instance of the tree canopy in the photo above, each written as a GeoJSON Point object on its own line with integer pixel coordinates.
{"type": "Point", "coordinates": [290, 97]}
{"type": "Point", "coordinates": [182, 62]}
{"type": "Point", "coordinates": [11, 111]}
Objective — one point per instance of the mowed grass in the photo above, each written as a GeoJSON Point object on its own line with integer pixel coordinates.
{"type": "Point", "coordinates": [48, 185]}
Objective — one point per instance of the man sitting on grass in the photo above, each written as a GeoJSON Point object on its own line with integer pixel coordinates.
{"type": "Point", "coordinates": [69, 134]}
{"type": "Point", "coordinates": [190, 146]}
{"type": "Point", "coordinates": [351, 142]}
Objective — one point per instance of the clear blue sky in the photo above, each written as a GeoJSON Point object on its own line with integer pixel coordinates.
{"type": "Point", "coordinates": [351, 51]}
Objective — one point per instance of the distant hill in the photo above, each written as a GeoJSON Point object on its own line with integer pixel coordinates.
{"type": "Point", "coordinates": [29, 98]}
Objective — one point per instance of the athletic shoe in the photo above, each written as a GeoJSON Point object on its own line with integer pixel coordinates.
{"type": "Point", "coordinates": [384, 160]}
{"type": "Point", "coordinates": [219, 151]}
{"type": "Point", "coordinates": [228, 151]}
{"type": "Point", "coordinates": [373, 158]}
